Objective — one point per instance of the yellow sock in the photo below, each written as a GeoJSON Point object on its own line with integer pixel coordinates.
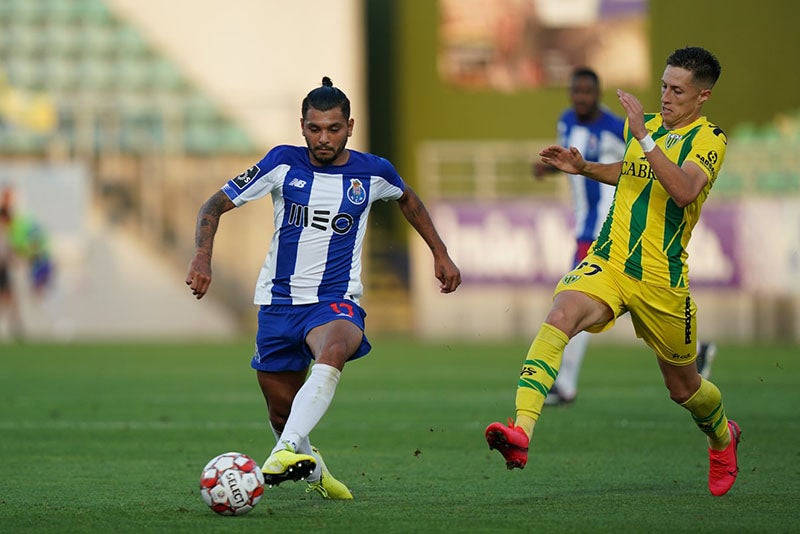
{"type": "Point", "coordinates": [526, 423]}
{"type": "Point", "coordinates": [709, 414]}
{"type": "Point", "coordinates": [538, 374]}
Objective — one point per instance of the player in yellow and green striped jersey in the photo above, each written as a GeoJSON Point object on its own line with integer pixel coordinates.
{"type": "Point", "coordinates": [647, 231]}
{"type": "Point", "coordinates": [638, 263]}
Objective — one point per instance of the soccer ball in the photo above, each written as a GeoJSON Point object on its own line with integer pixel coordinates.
{"type": "Point", "coordinates": [231, 484]}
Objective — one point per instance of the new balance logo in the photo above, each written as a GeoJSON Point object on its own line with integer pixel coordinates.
{"type": "Point", "coordinates": [298, 183]}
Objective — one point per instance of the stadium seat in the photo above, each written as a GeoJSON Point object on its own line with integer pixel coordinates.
{"type": "Point", "coordinates": [102, 72]}
{"type": "Point", "coordinates": [62, 40]}
{"type": "Point", "coordinates": [92, 11]}
{"type": "Point", "coordinates": [63, 12]}
{"type": "Point", "coordinates": [129, 44]}
{"type": "Point", "coordinates": [27, 12]}
{"type": "Point", "coordinates": [166, 75]}
{"type": "Point", "coordinates": [61, 75]}
{"type": "Point", "coordinates": [98, 40]}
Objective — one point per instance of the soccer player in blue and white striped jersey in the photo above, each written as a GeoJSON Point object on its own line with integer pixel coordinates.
{"type": "Point", "coordinates": [309, 287]}
{"type": "Point", "coordinates": [593, 129]}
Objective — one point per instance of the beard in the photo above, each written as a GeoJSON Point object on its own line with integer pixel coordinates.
{"type": "Point", "coordinates": [327, 156]}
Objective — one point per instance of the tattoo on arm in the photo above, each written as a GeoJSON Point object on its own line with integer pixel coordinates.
{"type": "Point", "coordinates": [416, 214]}
{"type": "Point", "coordinates": [414, 211]}
{"type": "Point", "coordinates": [208, 220]}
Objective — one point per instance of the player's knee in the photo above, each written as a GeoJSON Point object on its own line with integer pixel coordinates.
{"type": "Point", "coordinates": [679, 393]}
{"type": "Point", "coordinates": [682, 382]}
{"type": "Point", "coordinates": [561, 320]}
{"type": "Point", "coordinates": [336, 353]}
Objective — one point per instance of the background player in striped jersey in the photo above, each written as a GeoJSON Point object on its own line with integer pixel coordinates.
{"type": "Point", "coordinates": [638, 264]}
{"type": "Point", "coordinates": [309, 287]}
{"type": "Point", "coordinates": [598, 134]}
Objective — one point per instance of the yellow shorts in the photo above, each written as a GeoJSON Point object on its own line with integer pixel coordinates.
{"type": "Point", "coordinates": [665, 318]}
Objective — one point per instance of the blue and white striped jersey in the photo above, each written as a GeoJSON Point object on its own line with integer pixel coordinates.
{"type": "Point", "coordinates": [600, 141]}
{"type": "Point", "coordinates": [320, 221]}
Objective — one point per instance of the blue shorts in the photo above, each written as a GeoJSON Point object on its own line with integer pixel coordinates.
{"type": "Point", "coordinates": [282, 330]}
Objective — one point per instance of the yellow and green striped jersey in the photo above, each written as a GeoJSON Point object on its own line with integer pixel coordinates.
{"type": "Point", "coordinates": [646, 232]}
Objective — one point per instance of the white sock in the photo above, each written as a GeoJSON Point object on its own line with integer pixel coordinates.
{"type": "Point", "coordinates": [275, 432]}
{"type": "Point", "coordinates": [310, 404]}
{"type": "Point", "coordinates": [316, 474]}
{"type": "Point", "coordinates": [304, 447]}
{"type": "Point", "coordinates": [567, 380]}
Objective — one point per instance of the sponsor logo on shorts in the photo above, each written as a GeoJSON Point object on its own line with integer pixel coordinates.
{"type": "Point", "coordinates": [246, 177]}
{"type": "Point", "coordinates": [687, 314]}
{"type": "Point", "coordinates": [570, 278]}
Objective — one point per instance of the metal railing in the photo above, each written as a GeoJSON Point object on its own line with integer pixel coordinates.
{"type": "Point", "coordinates": [502, 169]}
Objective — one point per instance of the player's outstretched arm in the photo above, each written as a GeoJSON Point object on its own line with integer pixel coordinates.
{"type": "Point", "coordinates": [199, 277]}
{"type": "Point", "coordinates": [415, 213]}
{"type": "Point", "coordinates": [570, 160]}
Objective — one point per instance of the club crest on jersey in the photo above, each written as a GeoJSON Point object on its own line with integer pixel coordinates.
{"type": "Point", "coordinates": [356, 192]}
{"type": "Point", "coordinates": [671, 140]}
{"type": "Point", "coordinates": [246, 177]}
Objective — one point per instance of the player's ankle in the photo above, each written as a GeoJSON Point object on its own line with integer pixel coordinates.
{"type": "Point", "coordinates": [526, 423]}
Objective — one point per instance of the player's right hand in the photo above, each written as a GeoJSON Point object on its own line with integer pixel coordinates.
{"type": "Point", "coordinates": [635, 112]}
{"type": "Point", "coordinates": [568, 160]}
{"type": "Point", "coordinates": [199, 277]}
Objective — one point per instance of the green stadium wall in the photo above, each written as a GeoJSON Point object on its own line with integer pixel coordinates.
{"type": "Point", "coordinates": [408, 99]}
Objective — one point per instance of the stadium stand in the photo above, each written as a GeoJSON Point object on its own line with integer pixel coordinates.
{"type": "Point", "coordinates": [762, 160]}
{"type": "Point", "coordinates": [108, 86]}
{"type": "Point", "coordinates": [80, 85]}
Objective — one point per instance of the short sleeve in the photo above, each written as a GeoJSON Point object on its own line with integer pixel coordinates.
{"type": "Point", "coordinates": [260, 179]}
{"type": "Point", "coordinates": [708, 150]}
{"type": "Point", "coordinates": [387, 183]}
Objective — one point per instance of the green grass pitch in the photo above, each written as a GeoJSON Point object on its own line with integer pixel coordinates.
{"type": "Point", "coordinates": [112, 438]}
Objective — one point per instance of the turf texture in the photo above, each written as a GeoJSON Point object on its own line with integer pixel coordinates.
{"type": "Point", "coordinates": [112, 438]}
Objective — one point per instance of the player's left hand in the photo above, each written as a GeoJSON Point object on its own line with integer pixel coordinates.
{"type": "Point", "coordinates": [448, 274]}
